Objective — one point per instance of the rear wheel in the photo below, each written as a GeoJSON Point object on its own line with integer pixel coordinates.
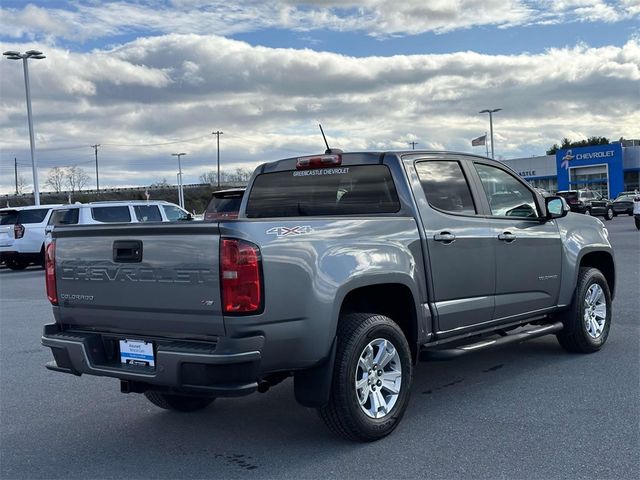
{"type": "Point", "coordinates": [17, 263]}
{"type": "Point", "coordinates": [587, 212]}
{"type": "Point", "coordinates": [371, 378]}
{"type": "Point", "coordinates": [587, 322]}
{"type": "Point", "coordinates": [608, 214]}
{"type": "Point", "coordinates": [180, 403]}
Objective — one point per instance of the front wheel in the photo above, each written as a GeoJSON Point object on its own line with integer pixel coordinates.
{"type": "Point", "coordinates": [608, 214]}
{"type": "Point", "coordinates": [180, 403]}
{"type": "Point", "coordinates": [587, 322]}
{"type": "Point", "coordinates": [371, 378]}
{"type": "Point", "coordinates": [587, 212]}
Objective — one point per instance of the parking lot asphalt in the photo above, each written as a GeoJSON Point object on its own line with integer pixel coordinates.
{"type": "Point", "coordinates": [523, 411]}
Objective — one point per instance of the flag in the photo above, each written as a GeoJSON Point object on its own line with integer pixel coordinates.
{"type": "Point", "coordinates": [479, 141]}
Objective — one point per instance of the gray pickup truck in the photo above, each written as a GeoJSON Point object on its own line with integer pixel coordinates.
{"type": "Point", "coordinates": [343, 270]}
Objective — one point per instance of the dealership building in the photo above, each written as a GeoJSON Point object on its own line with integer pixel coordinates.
{"type": "Point", "coordinates": [607, 169]}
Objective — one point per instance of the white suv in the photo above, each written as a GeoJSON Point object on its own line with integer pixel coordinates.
{"type": "Point", "coordinates": [133, 211]}
{"type": "Point", "coordinates": [22, 233]}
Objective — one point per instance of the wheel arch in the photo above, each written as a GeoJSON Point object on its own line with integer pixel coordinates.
{"type": "Point", "coordinates": [393, 300]}
{"type": "Point", "coordinates": [603, 261]}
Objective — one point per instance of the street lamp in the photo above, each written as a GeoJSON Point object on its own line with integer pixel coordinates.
{"type": "Point", "coordinates": [491, 112]}
{"type": "Point", "coordinates": [37, 55]}
{"type": "Point", "coordinates": [180, 192]}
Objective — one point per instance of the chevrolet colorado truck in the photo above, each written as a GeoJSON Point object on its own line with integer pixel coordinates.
{"type": "Point", "coordinates": [343, 271]}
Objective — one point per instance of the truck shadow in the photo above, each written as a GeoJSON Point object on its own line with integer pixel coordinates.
{"type": "Point", "coordinates": [270, 435]}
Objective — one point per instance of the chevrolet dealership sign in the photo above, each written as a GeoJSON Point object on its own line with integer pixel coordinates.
{"type": "Point", "coordinates": [569, 161]}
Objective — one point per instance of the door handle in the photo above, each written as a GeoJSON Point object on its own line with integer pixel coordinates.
{"type": "Point", "coordinates": [507, 237]}
{"type": "Point", "coordinates": [444, 237]}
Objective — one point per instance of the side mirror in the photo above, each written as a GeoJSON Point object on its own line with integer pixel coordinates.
{"type": "Point", "coordinates": [557, 207]}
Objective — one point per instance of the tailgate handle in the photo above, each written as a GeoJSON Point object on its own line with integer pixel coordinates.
{"type": "Point", "coordinates": [127, 251]}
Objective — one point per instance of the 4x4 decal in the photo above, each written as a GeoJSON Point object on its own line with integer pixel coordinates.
{"type": "Point", "coordinates": [289, 231]}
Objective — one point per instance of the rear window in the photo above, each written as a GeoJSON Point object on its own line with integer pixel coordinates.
{"type": "Point", "coordinates": [111, 214]}
{"type": "Point", "coordinates": [68, 216]}
{"type": "Point", "coordinates": [8, 217]}
{"type": "Point", "coordinates": [225, 204]}
{"type": "Point", "coordinates": [351, 190]}
{"type": "Point", "coordinates": [569, 195]}
{"type": "Point", "coordinates": [147, 213]}
{"type": "Point", "coordinates": [32, 216]}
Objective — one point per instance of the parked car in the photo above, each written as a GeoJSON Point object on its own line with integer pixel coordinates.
{"type": "Point", "coordinates": [131, 211]}
{"type": "Point", "coordinates": [22, 235]}
{"type": "Point", "coordinates": [224, 204]}
{"type": "Point", "coordinates": [343, 271]}
{"type": "Point", "coordinates": [623, 204]}
{"type": "Point", "coordinates": [588, 202]}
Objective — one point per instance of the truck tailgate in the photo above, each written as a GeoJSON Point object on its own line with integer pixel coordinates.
{"type": "Point", "coordinates": [149, 279]}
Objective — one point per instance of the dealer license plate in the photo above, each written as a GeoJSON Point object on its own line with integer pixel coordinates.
{"type": "Point", "coordinates": [137, 352]}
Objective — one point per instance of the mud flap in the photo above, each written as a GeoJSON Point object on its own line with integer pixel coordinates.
{"type": "Point", "coordinates": [312, 387]}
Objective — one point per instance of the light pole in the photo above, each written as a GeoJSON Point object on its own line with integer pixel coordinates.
{"type": "Point", "coordinates": [218, 133]}
{"type": "Point", "coordinates": [13, 55]}
{"type": "Point", "coordinates": [180, 192]}
{"type": "Point", "coordinates": [491, 112]}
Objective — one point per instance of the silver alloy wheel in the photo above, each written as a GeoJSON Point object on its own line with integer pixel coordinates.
{"type": "Point", "coordinates": [595, 310]}
{"type": "Point", "coordinates": [587, 211]}
{"type": "Point", "coordinates": [378, 378]}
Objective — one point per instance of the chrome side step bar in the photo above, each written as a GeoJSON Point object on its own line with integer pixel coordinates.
{"type": "Point", "coordinates": [449, 353]}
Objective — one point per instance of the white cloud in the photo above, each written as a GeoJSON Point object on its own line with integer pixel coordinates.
{"type": "Point", "coordinates": [84, 19]}
{"type": "Point", "coordinates": [268, 102]}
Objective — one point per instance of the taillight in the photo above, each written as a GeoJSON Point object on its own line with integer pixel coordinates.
{"type": "Point", "coordinates": [319, 161]}
{"type": "Point", "coordinates": [240, 274]}
{"type": "Point", "coordinates": [50, 273]}
{"type": "Point", "coordinates": [18, 230]}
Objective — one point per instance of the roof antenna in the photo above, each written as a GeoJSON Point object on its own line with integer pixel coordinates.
{"type": "Point", "coordinates": [328, 150]}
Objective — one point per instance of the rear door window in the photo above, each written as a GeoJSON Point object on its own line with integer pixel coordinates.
{"type": "Point", "coordinates": [32, 216]}
{"type": "Point", "coordinates": [147, 213]}
{"type": "Point", "coordinates": [67, 216]}
{"type": "Point", "coordinates": [352, 190]}
{"type": "Point", "coordinates": [111, 214]}
{"type": "Point", "coordinates": [445, 186]}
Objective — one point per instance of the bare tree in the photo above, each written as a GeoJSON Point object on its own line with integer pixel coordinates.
{"type": "Point", "coordinates": [22, 184]}
{"type": "Point", "coordinates": [161, 184]}
{"type": "Point", "coordinates": [239, 175]}
{"type": "Point", "coordinates": [56, 179]}
{"type": "Point", "coordinates": [76, 178]}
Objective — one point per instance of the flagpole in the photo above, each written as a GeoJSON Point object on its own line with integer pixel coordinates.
{"type": "Point", "coordinates": [486, 145]}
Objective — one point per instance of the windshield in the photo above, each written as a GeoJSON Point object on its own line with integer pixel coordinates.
{"type": "Point", "coordinates": [625, 198]}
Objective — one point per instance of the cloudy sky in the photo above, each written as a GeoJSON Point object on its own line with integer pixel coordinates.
{"type": "Point", "coordinates": [147, 78]}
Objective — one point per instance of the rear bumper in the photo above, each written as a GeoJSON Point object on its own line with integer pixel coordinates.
{"type": "Point", "coordinates": [228, 367]}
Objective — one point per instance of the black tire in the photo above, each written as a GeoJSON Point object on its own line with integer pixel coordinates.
{"type": "Point", "coordinates": [587, 211]}
{"type": "Point", "coordinates": [575, 337]}
{"type": "Point", "coordinates": [343, 414]}
{"type": "Point", "coordinates": [41, 258]}
{"type": "Point", "coordinates": [17, 263]}
{"type": "Point", "coordinates": [180, 403]}
{"type": "Point", "coordinates": [630, 214]}
{"type": "Point", "coordinates": [636, 219]}
{"type": "Point", "coordinates": [608, 215]}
